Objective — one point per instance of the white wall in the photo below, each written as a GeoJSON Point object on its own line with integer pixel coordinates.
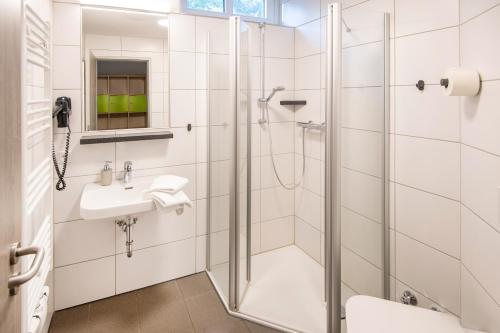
{"type": "Point", "coordinates": [91, 254]}
{"type": "Point", "coordinates": [86, 249]}
{"type": "Point", "coordinates": [444, 150]}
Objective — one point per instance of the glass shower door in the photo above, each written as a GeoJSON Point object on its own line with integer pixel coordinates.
{"type": "Point", "coordinates": [229, 170]}
{"type": "Point", "coordinates": [357, 191]}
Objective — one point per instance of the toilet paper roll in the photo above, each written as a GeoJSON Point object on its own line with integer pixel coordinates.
{"type": "Point", "coordinates": [461, 82]}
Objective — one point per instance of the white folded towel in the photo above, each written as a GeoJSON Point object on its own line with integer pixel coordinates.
{"type": "Point", "coordinates": [168, 183]}
{"type": "Point", "coordinates": [166, 200]}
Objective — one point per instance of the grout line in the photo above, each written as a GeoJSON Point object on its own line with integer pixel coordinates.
{"type": "Point", "coordinates": [477, 15]}
{"type": "Point", "coordinates": [427, 245]}
{"type": "Point", "coordinates": [426, 31]}
{"type": "Point", "coordinates": [425, 191]}
{"type": "Point", "coordinates": [480, 285]}
{"type": "Point", "coordinates": [481, 218]}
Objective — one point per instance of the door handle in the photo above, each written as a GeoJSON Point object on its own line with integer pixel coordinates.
{"type": "Point", "coordinates": [18, 279]}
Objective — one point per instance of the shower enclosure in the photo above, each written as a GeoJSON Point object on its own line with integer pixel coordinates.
{"type": "Point", "coordinates": [289, 288]}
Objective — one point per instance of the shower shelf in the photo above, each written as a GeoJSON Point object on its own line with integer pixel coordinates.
{"type": "Point", "coordinates": [294, 103]}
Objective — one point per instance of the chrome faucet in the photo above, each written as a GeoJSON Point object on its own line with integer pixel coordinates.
{"type": "Point", "coordinates": [127, 172]}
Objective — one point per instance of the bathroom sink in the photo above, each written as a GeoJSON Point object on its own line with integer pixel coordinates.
{"type": "Point", "coordinates": [118, 199]}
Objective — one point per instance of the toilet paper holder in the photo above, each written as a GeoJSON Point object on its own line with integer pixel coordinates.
{"type": "Point", "coordinates": [444, 83]}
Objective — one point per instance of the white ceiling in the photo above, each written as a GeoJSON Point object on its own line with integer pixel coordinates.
{"type": "Point", "coordinates": [122, 23]}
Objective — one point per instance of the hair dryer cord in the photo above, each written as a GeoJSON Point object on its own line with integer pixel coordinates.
{"type": "Point", "coordinates": [61, 183]}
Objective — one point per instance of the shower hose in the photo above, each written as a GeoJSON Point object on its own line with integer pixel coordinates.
{"type": "Point", "coordinates": [294, 185]}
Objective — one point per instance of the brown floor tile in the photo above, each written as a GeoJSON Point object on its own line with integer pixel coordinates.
{"type": "Point", "coordinates": [115, 314]}
{"type": "Point", "coordinates": [71, 320]}
{"type": "Point", "coordinates": [195, 284]}
{"type": "Point", "coordinates": [173, 317]}
{"type": "Point", "coordinates": [256, 328]}
{"type": "Point", "coordinates": [163, 293]}
{"type": "Point", "coordinates": [229, 325]}
{"type": "Point", "coordinates": [206, 310]}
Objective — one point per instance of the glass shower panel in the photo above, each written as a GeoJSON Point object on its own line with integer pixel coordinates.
{"type": "Point", "coordinates": [243, 161]}
{"type": "Point", "coordinates": [363, 152]}
{"type": "Point", "coordinates": [229, 169]}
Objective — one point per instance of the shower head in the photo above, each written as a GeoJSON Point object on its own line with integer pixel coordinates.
{"type": "Point", "coordinates": [275, 90]}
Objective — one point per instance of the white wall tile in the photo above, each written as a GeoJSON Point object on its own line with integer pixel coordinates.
{"type": "Point", "coordinates": [297, 12]}
{"type": "Point", "coordinates": [480, 182]}
{"type": "Point", "coordinates": [312, 110]}
{"type": "Point", "coordinates": [362, 236]}
{"type": "Point", "coordinates": [308, 207]}
{"type": "Point", "coordinates": [159, 227]}
{"type": "Point", "coordinates": [423, 274]}
{"type": "Point", "coordinates": [201, 256]}
{"type": "Point", "coordinates": [355, 269]}
{"type": "Point", "coordinates": [365, 22]}
{"type": "Point", "coordinates": [308, 39]}
{"type": "Point", "coordinates": [478, 49]}
{"type": "Point", "coordinates": [307, 72]}
{"type": "Point", "coordinates": [143, 268]}
{"type": "Point", "coordinates": [480, 251]}
{"type": "Point", "coordinates": [67, 203]}
{"type": "Point", "coordinates": [424, 15]}
{"type": "Point", "coordinates": [182, 70]}
{"type": "Point", "coordinates": [103, 42]}
{"type": "Point", "coordinates": [427, 113]}
{"type": "Point", "coordinates": [279, 73]}
{"type": "Point", "coordinates": [429, 218]}
{"type": "Point", "coordinates": [363, 65]}
{"type": "Point", "coordinates": [362, 194]}
{"type": "Point", "coordinates": [182, 107]}
{"type": "Point", "coordinates": [362, 151]}
{"type": "Point", "coordinates": [282, 136]}
{"type": "Point", "coordinates": [479, 118]}
{"type": "Point", "coordinates": [142, 44]}
{"type": "Point", "coordinates": [66, 24]}
{"type": "Point", "coordinates": [84, 282]}
{"type": "Point", "coordinates": [363, 108]}
{"type": "Point", "coordinates": [159, 153]}
{"type": "Point", "coordinates": [71, 241]}
{"type": "Point", "coordinates": [277, 233]}
{"type": "Point", "coordinates": [219, 35]}
{"type": "Point", "coordinates": [479, 310]}
{"type": "Point", "coordinates": [471, 8]}
{"type": "Point", "coordinates": [182, 32]}
{"type": "Point", "coordinates": [285, 169]}
{"type": "Point", "coordinates": [84, 159]}
{"type": "Point", "coordinates": [66, 67]}
{"type": "Point", "coordinates": [429, 165]}
{"type": "Point", "coordinates": [308, 239]}
{"type": "Point", "coordinates": [426, 56]}
{"type": "Point", "coordinates": [275, 203]}
{"type": "Point", "coordinates": [279, 42]}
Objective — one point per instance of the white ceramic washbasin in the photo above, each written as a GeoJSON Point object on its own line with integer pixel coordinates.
{"type": "Point", "coordinates": [118, 199]}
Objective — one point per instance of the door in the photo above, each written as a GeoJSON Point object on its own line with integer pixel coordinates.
{"type": "Point", "coordinates": [10, 157]}
{"type": "Point", "coordinates": [357, 157]}
{"type": "Point", "coordinates": [25, 159]}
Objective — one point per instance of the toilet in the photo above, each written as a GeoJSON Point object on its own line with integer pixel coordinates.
{"type": "Point", "coordinates": [365, 314]}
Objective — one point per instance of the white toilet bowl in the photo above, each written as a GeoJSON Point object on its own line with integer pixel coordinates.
{"type": "Point", "coordinates": [365, 314]}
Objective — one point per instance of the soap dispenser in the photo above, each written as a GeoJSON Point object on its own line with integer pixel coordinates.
{"type": "Point", "coordinates": [107, 174]}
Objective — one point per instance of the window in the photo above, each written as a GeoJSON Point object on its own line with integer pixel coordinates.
{"type": "Point", "coordinates": [257, 10]}
{"type": "Point", "coordinates": [207, 5]}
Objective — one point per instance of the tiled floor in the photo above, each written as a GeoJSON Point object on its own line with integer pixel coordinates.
{"type": "Point", "coordinates": [185, 305]}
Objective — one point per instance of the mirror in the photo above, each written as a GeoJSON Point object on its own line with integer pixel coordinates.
{"type": "Point", "coordinates": [126, 69]}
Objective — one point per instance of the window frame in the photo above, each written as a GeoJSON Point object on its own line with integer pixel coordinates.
{"type": "Point", "coordinates": [271, 10]}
